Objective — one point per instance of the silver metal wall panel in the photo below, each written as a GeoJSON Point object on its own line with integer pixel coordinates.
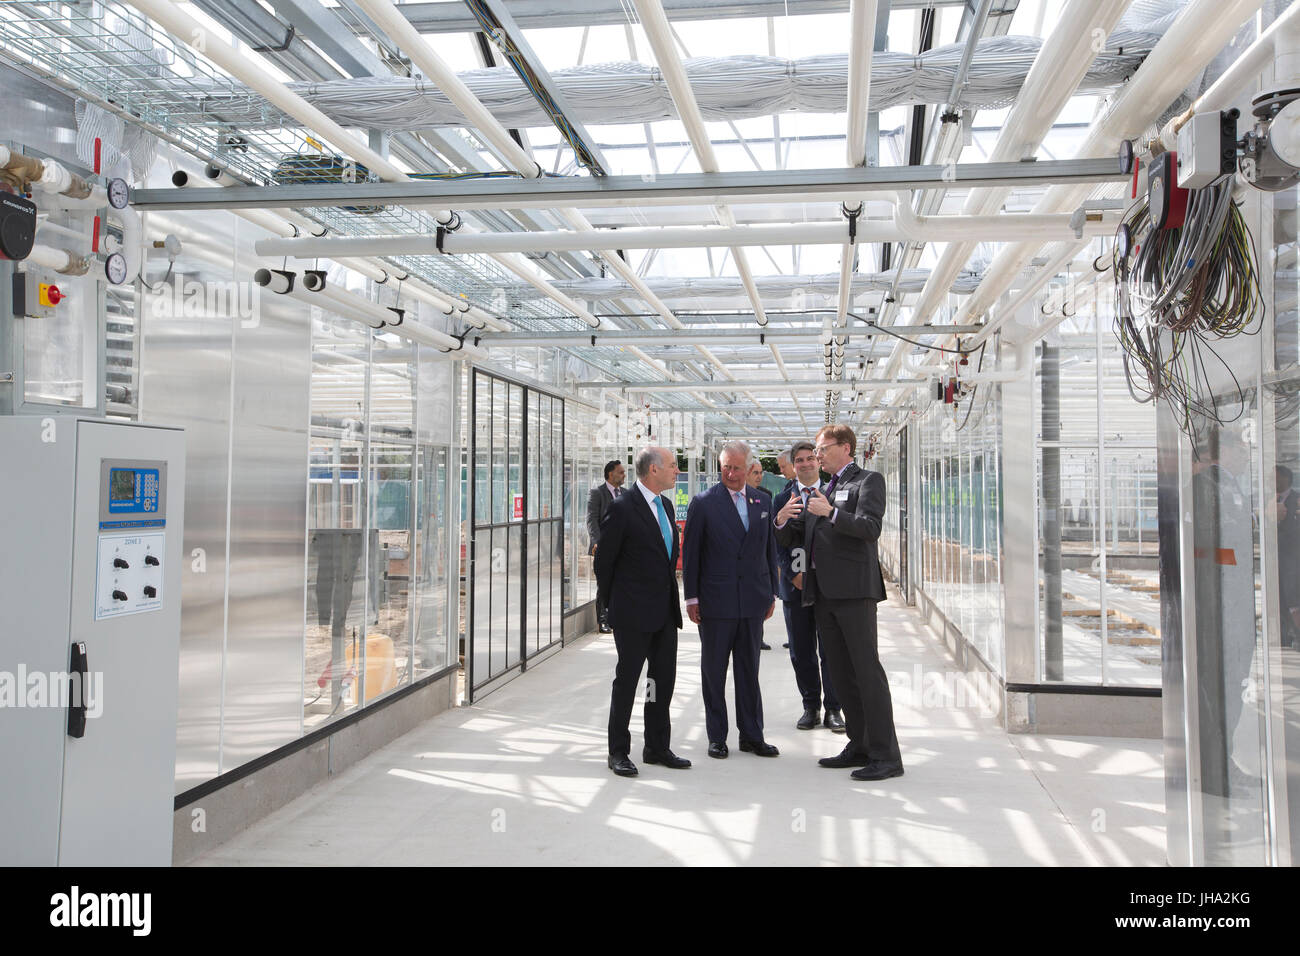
{"type": "Point", "coordinates": [185, 381]}
{"type": "Point", "coordinates": [268, 506]}
{"type": "Point", "coordinates": [37, 116]}
{"type": "Point", "coordinates": [1019, 531]}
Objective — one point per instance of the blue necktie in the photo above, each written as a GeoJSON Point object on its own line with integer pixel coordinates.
{"type": "Point", "coordinates": [664, 526]}
{"type": "Point", "coordinates": [741, 509]}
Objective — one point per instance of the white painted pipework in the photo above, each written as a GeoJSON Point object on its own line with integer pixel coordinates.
{"type": "Point", "coordinates": [410, 42]}
{"type": "Point", "coordinates": [1008, 228]}
{"type": "Point", "coordinates": [282, 222]}
{"type": "Point", "coordinates": [1056, 72]}
{"type": "Point", "coordinates": [1201, 31]}
{"type": "Point", "coordinates": [62, 261]}
{"type": "Point", "coordinates": [253, 75]}
{"type": "Point", "coordinates": [1278, 44]}
{"type": "Point", "coordinates": [655, 23]}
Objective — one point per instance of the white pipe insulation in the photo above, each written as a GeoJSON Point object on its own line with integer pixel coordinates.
{"type": "Point", "coordinates": [287, 224]}
{"type": "Point", "coordinates": [255, 76]}
{"type": "Point", "coordinates": [908, 226]}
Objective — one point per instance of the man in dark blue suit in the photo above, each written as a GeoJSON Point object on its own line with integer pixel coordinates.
{"type": "Point", "coordinates": [636, 570]}
{"type": "Point", "coordinates": [729, 573]}
{"type": "Point", "coordinates": [801, 622]}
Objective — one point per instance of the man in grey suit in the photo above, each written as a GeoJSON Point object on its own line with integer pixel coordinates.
{"type": "Point", "coordinates": [837, 535]}
{"type": "Point", "coordinates": [598, 502]}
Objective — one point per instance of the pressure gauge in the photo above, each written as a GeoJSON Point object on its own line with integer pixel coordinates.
{"type": "Point", "coordinates": [115, 267]}
{"type": "Point", "coordinates": [1126, 156]}
{"type": "Point", "coordinates": [1124, 240]}
{"type": "Point", "coordinates": [118, 194]}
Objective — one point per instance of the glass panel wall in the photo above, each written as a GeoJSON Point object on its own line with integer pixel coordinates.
{"type": "Point", "coordinates": [957, 515]}
{"type": "Point", "coordinates": [1099, 590]}
{"type": "Point", "coordinates": [600, 440]}
{"type": "Point", "coordinates": [517, 558]}
{"type": "Point", "coordinates": [379, 502]}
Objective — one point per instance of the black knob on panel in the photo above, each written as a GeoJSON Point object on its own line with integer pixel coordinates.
{"type": "Point", "coordinates": [120, 596]}
{"type": "Point", "coordinates": [150, 591]}
{"type": "Point", "coordinates": [120, 563]}
{"type": "Point", "coordinates": [151, 560]}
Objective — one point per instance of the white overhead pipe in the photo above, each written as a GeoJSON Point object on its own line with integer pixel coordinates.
{"type": "Point", "coordinates": [424, 56]}
{"type": "Point", "coordinates": [655, 23]}
{"type": "Point", "coordinates": [352, 306]}
{"type": "Point", "coordinates": [287, 223]}
{"type": "Point", "coordinates": [1056, 73]}
{"type": "Point", "coordinates": [819, 385]}
{"type": "Point", "coordinates": [862, 37]}
{"type": "Point", "coordinates": [1201, 31]}
{"type": "Point", "coordinates": [408, 39]}
{"type": "Point", "coordinates": [256, 77]}
{"type": "Point", "coordinates": [1277, 44]}
{"type": "Point", "coordinates": [1006, 228]}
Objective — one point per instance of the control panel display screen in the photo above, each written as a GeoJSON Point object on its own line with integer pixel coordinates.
{"type": "Point", "coordinates": [121, 485]}
{"type": "Point", "coordinates": [132, 494]}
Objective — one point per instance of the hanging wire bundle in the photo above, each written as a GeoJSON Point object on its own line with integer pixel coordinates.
{"type": "Point", "coordinates": [1177, 291]}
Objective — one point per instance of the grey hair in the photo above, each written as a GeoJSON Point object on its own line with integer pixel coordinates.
{"type": "Point", "coordinates": [785, 455]}
{"type": "Point", "coordinates": [799, 446]}
{"type": "Point", "coordinates": [737, 448]}
{"type": "Point", "coordinates": [647, 457]}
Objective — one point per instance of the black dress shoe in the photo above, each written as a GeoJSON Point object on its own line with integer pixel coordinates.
{"type": "Point", "coordinates": [845, 758]}
{"type": "Point", "coordinates": [667, 758]}
{"type": "Point", "coordinates": [764, 645]}
{"type": "Point", "coordinates": [834, 721]}
{"type": "Point", "coordinates": [809, 719]}
{"type": "Point", "coordinates": [786, 644]}
{"type": "Point", "coordinates": [759, 749]}
{"type": "Point", "coordinates": [605, 628]}
{"type": "Point", "coordinates": [718, 750]}
{"type": "Point", "coordinates": [622, 766]}
{"type": "Point", "coordinates": [878, 770]}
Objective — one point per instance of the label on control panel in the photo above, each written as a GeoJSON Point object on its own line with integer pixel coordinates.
{"type": "Point", "coordinates": [129, 574]}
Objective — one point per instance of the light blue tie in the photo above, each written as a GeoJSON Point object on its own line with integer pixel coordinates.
{"type": "Point", "coordinates": [742, 509]}
{"type": "Point", "coordinates": [664, 526]}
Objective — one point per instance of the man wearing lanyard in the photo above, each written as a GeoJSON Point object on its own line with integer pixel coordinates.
{"type": "Point", "coordinates": [814, 682]}
{"type": "Point", "coordinates": [837, 533]}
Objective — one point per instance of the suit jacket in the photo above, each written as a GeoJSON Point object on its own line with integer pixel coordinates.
{"type": "Point", "coordinates": [598, 503]}
{"type": "Point", "coordinates": [847, 564]}
{"type": "Point", "coordinates": [784, 556]}
{"type": "Point", "coordinates": [634, 570]}
{"type": "Point", "coordinates": [733, 572]}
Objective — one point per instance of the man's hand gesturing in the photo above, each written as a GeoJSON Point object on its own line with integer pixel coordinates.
{"type": "Point", "coordinates": [818, 505]}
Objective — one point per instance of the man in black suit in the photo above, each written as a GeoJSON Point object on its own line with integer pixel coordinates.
{"type": "Point", "coordinates": [837, 535]}
{"type": "Point", "coordinates": [729, 573]}
{"type": "Point", "coordinates": [814, 683]}
{"type": "Point", "coordinates": [598, 503]}
{"type": "Point", "coordinates": [754, 481]}
{"type": "Point", "coordinates": [636, 570]}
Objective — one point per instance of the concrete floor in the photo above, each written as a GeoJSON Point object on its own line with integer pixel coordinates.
{"type": "Point", "coordinates": [520, 778]}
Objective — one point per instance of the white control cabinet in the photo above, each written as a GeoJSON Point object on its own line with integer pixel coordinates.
{"type": "Point", "coordinates": [90, 592]}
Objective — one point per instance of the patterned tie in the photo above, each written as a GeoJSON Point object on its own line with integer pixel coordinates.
{"type": "Point", "coordinates": [664, 526]}
{"type": "Point", "coordinates": [617, 492]}
{"type": "Point", "coordinates": [741, 509]}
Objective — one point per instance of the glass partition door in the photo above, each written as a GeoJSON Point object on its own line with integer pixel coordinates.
{"type": "Point", "coordinates": [517, 527]}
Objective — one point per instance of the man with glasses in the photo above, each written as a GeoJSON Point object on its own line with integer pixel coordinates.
{"type": "Point", "coordinates": [729, 575]}
{"type": "Point", "coordinates": [835, 537]}
{"type": "Point", "coordinates": [814, 682]}
{"type": "Point", "coordinates": [636, 570]}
